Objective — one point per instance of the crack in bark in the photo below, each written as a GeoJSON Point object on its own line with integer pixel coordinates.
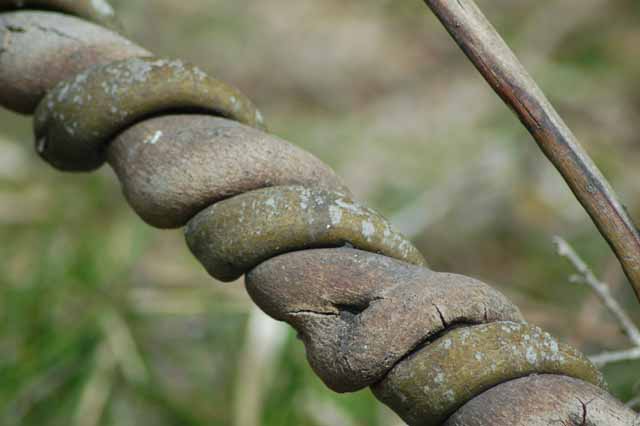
{"type": "Point", "coordinates": [57, 32]}
{"type": "Point", "coordinates": [15, 28]}
{"type": "Point", "coordinates": [307, 312]}
{"type": "Point", "coordinates": [444, 322]}
{"type": "Point", "coordinates": [584, 415]}
{"type": "Point", "coordinates": [431, 338]}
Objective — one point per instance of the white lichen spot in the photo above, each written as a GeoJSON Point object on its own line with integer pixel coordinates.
{"type": "Point", "coordinates": [532, 355]}
{"type": "Point", "coordinates": [271, 202]}
{"type": "Point", "coordinates": [478, 356]}
{"type": "Point", "coordinates": [450, 395]}
{"type": "Point", "coordinates": [235, 104]}
{"type": "Point", "coordinates": [447, 344]}
{"type": "Point", "coordinates": [439, 379]}
{"type": "Point", "coordinates": [259, 117]}
{"type": "Point", "coordinates": [368, 230]}
{"type": "Point", "coordinates": [62, 93]}
{"type": "Point", "coordinates": [351, 207]}
{"type": "Point", "coordinates": [305, 196]}
{"type": "Point", "coordinates": [201, 75]}
{"type": "Point", "coordinates": [154, 139]}
{"type": "Point", "coordinates": [335, 213]}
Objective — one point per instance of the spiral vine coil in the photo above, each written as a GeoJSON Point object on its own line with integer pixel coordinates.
{"type": "Point", "coordinates": [191, 150]}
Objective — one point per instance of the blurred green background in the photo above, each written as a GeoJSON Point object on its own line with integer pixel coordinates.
{"type": "Point", "coordinates": [105, 321]}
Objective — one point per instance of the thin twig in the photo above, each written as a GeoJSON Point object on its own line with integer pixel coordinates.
{"type": "Point", "coordinates": [616, 356]}
{"type": "Point", "coordinates": [325, 412]}
{"type": "Point", "coordinates": [123, 346]}
{"type": "Point", "coordinates": [436, 203]}
{"type": "Point", "coordinates": [499, 66]}
{"type": "Point", "coordinates": [265, 340]}
{"type": "Point", "coordinates": [586, 276]}
{"type": "Point", "coordinates": [97, 390]}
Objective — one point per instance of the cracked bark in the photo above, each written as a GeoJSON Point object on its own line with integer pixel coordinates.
{"type": "Point", "coordinates": [541, 401]}
{"type": "Point", "coordinates": [32, 64]}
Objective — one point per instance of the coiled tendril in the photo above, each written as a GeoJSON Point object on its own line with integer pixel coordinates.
{"type": "Point", "coordinates": [191, 150]}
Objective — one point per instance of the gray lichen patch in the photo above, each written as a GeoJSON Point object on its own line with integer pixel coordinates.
{"type": "Point", "coordinates": [173, 166]}
{"type": "Point", "coordinates": [234, 235]}
{"type": "Point", "coordinates": [58, 47]}
{"type": "Point", "coordinates": [543, 400]}
{"type": "Point", "coordinates": [467, 361]}
{"type": "Point", "coordinates": [80, 115]}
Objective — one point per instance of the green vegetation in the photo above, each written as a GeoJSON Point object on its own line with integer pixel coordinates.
{"type": "Point", "coordinates": [105, 321]}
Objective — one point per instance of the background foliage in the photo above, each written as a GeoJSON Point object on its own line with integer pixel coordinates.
{"type": "Point", "coordinates": [104, 321]}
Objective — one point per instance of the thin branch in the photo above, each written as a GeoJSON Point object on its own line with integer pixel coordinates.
{"type": "Point", "coordinates": [265, 340]}
{"type": "Point", "coordinates": [436, 203]}
{"type": "Point", "coordinates": [616, 356]}
{"type": "Point", "coordinates": [97, 391]}
{"type": "Point", "coordinates": [499, 66]}
{"type": "Point", "coordinates": [123, 346]}
{"type": "Point", "coordinates": [325, 412]}
{"type": "Point", "coordinates": [586, 276]}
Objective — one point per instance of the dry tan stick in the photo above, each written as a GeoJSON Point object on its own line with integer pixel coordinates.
{"type": "Point", "coordinates": [435, 203]}
{"type": "Point", "coordinates": [123, 346]}
{"type": "Point", "coordinates": [601, 289]}
{"type": "Point", "coordinates": [499, 66]}
{"type": "Point", "coordinates": [97, 391]}
{"type": "Point", "coordinates": [615, 356]}
{"type": "Point", "coordinates": [265, 340]}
